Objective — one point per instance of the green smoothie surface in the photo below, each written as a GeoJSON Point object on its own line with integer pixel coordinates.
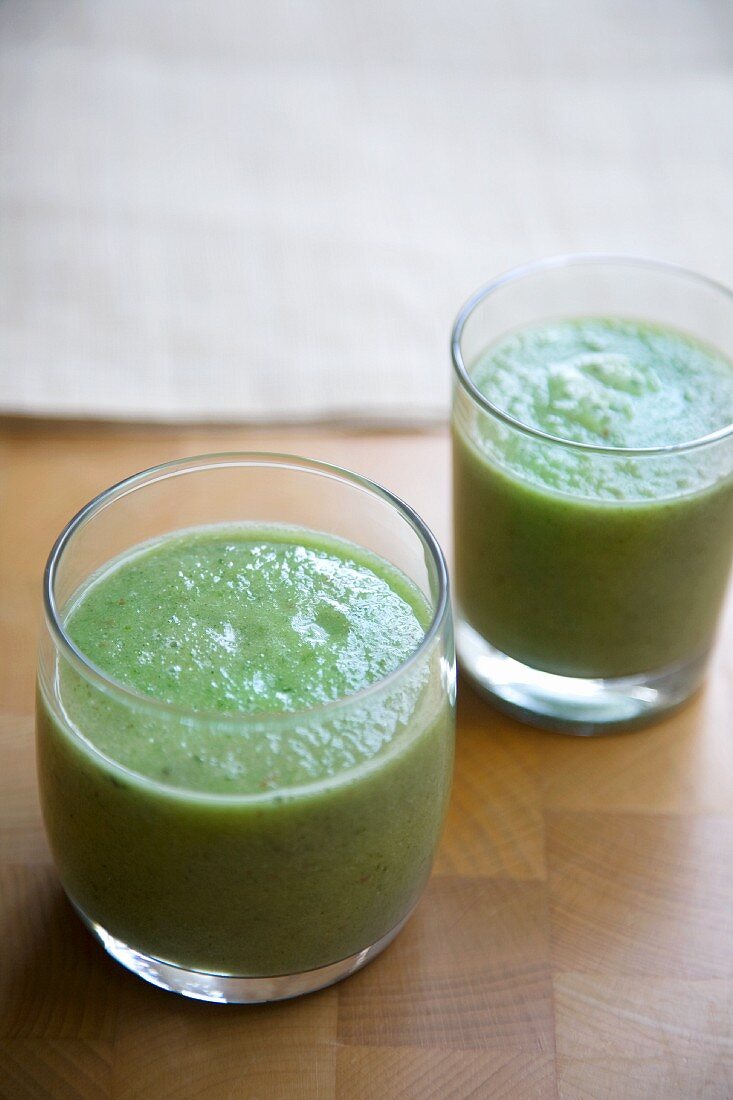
{"type": "Point", "coordinates": [608, 382]}
{"type": "Point", "coordinates": [242, 621]}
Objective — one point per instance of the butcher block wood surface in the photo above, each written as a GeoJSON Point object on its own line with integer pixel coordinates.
{"type": "Point", "coordinates": [576, 939]}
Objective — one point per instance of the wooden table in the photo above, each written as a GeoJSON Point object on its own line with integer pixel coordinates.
{"type": "Point", "coordinates": [576, 938]}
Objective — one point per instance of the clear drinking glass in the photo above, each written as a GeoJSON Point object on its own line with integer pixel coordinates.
{"type": "Point", "coordinates": [245, 897]}
{"type": "Point", "coordinates": [578, 610]}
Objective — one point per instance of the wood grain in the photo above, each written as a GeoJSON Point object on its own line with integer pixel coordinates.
{"type": "Point", "coordinates": [495, 823]}
{"type": "Point", "coordinates": [407, 1073]}
{"type": "Point", "coordinates": [472, 972]}
{"type": "Point", "coordinates": [575, 940]}
{"type": "Point", "coordinates": [641, 894]}
{"type": "Point", "coordinates": [31, 1069]}
{"type": "Point", "coordinates": [22, 839]}
{"type": "Point", "coordinates": [55, 982]}
{"type": "Point", "coordinates": [167, 1046]}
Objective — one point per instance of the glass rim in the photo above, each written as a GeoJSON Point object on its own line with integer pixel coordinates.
{"type": "Point", "coordinates": [228, 459]}
{"type": "Point", "coordinates": [551, 263]}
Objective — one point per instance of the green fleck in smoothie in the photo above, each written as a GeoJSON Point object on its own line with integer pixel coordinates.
{"type": "Point", "coordinates": [582, 562]}
{"type": "Point", "coordinates": [220, 814]}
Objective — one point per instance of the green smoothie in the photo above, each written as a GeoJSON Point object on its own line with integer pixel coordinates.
{"type": "Point", "coordinates": [587, 563]}
{"type": "Point", "coordinates": [245, 806]}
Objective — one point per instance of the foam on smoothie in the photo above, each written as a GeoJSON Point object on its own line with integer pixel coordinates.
{"type": "Point", "coordinates": [244, 620]}
{"type": "Point", "coordinates": [606, 382]}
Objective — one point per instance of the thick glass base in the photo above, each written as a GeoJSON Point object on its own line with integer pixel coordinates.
{"type": "Point", "coordinates": [570, 704]}
{"type": "Point", "coordinates": [234, 988]}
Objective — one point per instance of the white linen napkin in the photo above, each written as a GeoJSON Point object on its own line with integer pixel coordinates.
{"type": "Point", "coordinates": [223, 211]}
